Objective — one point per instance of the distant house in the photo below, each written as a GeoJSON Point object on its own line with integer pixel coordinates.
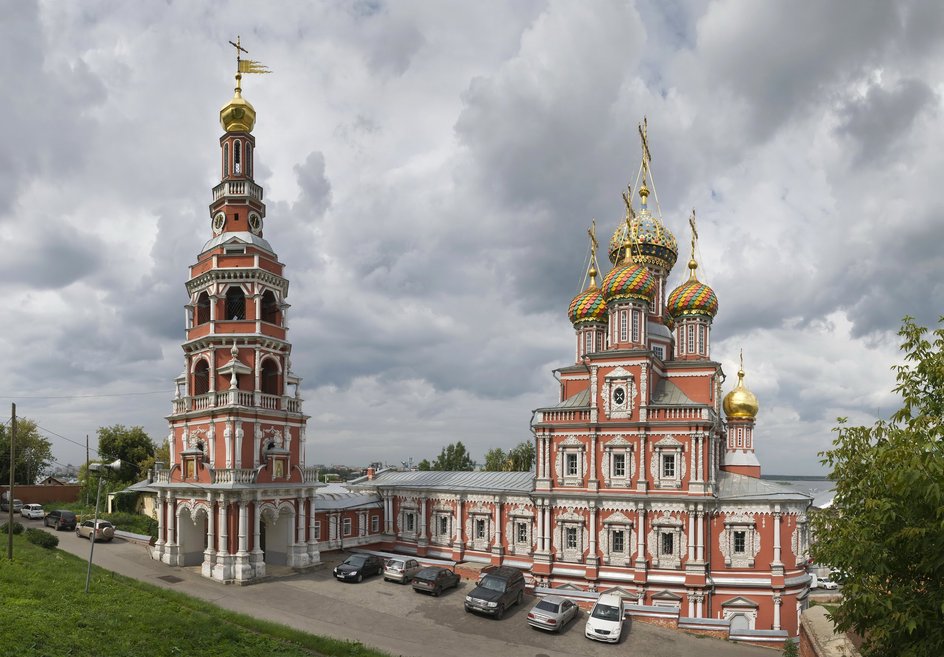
{"type": "Point", "coordinates": [52, 481]}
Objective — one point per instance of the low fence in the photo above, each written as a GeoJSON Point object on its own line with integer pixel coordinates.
{"type": "Point", "coordinates": [45, 494]}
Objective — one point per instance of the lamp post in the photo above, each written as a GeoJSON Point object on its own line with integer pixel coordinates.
{"type": "Point", "coordinates": [98, 467]}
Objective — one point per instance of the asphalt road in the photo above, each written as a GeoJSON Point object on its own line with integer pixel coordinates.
{"type": "Point", "coordinates": [393, 617]}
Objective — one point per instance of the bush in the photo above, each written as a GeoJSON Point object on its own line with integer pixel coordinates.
{"type": "Point", "coordinates": [41, 538]}
{"type": "Point", "coordinates": [17, 528]}
{"type": "Point", "coordinates": [136, 523]}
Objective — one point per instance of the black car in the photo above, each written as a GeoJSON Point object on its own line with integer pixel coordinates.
{"type": "Point", "coordinates": [358, 566]}
{"type": "Point", "coordinates": [434, 580]}
{"type": "Point", "coordinates": [60, 519]}
{"type": "Point", "coordinates": [498, 590]}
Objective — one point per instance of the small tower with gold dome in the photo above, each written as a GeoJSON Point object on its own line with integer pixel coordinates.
{"type": "Point", "coordinates": [740, 407]}
{"type": "Point", "coordinates": [692, 306]}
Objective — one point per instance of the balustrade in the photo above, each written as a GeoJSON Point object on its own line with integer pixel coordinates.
{"type": "Point", "coordinates": [233, 476]}
{"type": "Point", "coordinates": [237, 398]}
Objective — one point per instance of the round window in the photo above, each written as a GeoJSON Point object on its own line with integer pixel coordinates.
{"type": "Point", "coordinates": [619, 396]}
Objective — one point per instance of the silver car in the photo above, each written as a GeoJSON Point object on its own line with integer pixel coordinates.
{"type": "Point", "coordinates": [552, 613]}
{"type": "Point", "coordinates": [401, 570]}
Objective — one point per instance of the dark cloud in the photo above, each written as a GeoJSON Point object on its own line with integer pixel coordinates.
{"type": "Point", "coordinates": [876, 120]}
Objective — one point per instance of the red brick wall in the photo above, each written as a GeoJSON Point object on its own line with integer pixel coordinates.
{"type": "Point", "coordinates": [45, 494]}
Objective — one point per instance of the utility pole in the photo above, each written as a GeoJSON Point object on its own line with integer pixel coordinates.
{"type": "Point", "coordinates": [10, 491]}
{"type": "Point", "coordinates": [86, 468]}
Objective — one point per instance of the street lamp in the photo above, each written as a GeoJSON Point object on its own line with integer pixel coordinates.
{"type": "Point", "coordinates": [115, 465]}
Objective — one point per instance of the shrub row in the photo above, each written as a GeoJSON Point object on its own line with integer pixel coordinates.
{"type": "Point", "coordinates": [41, 538]}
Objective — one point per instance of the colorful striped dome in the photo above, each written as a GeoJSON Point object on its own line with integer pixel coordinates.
{"type": "Point", "coordinates": [692, 298]}
{"type": "Point", "coordinates": [629, 281]}
{"type": "Point", "coordinates": [588, 306]}
{"type": "Point", "coordinates": [650, 242]}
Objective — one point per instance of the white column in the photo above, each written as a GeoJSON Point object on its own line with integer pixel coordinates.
{"type": "Point", "coordinates": [776, 561]}
{"type": "Point", "coordinates": [243, 522]}
{"type": "Point", "coordinates": [700, 533]}
{"type": "Point", "coordinates": [311, 522]}
{"type": "Point", "coordinates": [640, 535]}
{"type": "Point", "coordinates": [643, 475]}
{"type": "Point", "coordinates": [160, 521]}
{"type": "Point", "coordinates": [777, 602]}
{"type": "Point", "coordinates": [691, 545]}
{"type": "Point", "coordinates": [223, 548]}
{"type": "Point", "coordinates": [422, 526]}
{"type": "Point", "coordinates": [498, 522]}
{"type": "Point", "coordinates": [256, 524]}
{"type": "Point", "coordinates": [593, 531]}
{"type": "Point", "coordinates": [171, 519]}
{"type": "Point", "coordinates": [540, 522]}
{"type": "Point", "coordinates": [299, 520]}
{"type": "Point", "coordinates": [548, 528]}
{"type": "Point", "coordinates": [593, 459]}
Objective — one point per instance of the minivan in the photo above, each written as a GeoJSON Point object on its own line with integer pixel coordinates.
{"type": "Point", "coordinates": [60, 519]}
{"type": "Point", "coordinates": [605, 622]}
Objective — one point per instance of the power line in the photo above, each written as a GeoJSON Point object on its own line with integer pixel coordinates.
{"type": "Point", "coordinates": [64, 438]}
{"type": "Point", "coordinates": [117, 394]}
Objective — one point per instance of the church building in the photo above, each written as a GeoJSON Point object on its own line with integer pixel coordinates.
{"type": "Point", "coordinates": [646, 481]}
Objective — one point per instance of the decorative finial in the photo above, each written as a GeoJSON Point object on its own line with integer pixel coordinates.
{"type": "Point", "coordinates": [646, 159]}
{"type": "Point", "coordinates": [245, 65]}
{"type": "Point", "coordinates": [594, 245]}
{"type": "Point", "coordinates": [234, 352]}
{"type": "Point", "coordinates": [692, 264]}
{"type": "Point", "coordinates": [741, 369]}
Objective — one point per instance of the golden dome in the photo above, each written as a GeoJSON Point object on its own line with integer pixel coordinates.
{"type": "Point", "coordinates": [740, 402]}
{"type": "Point", "coordinates": [238, 115]}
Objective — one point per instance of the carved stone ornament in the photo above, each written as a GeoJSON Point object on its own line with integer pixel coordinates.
{"type": "Point", "coordinates": [619, 394]}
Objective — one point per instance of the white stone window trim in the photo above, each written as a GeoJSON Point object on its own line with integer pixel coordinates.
{"type": "Point", "coordinates": [571, 520]}
{"type": "Point", "coordinates": [619, 378]}
{"type": "Point", "coordinates": [613, 523]}
{"type": "Point", "coordinates": [800, 539]}
{"type": "Point", "coordinates": [571, 445]}
{"type": "Point", "coordinates": [475, 540]}
{"type": "Point", "coordinates": [618, 445]}
{"type": "Point", "coordinates": [406, 511]}
{"type": "Point", "coordinates": [516, 518]}
{"type": "Point", "coordinates": [666, 524]}
{"type": "Point", "coordinates": [439, 536]}
{"type": "Point", "coordinates": [739, 523]}
{"type": "Point", "coordinates": [668, 446]}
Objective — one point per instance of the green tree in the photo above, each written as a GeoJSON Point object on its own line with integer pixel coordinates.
{"type": "Point", "coordinates": [884, 531]}
{"type": "Point", "coordinates": [453, 457]}
{"type": "Point", "coordinates": [495, 460]}
{"type": "Point", "coordinates": [32, 453]}
{"type": "Point", "coordinates": [134, 447]}
{"type": "Point", "coordinates": [161, 453]}
{"type": "Point", "coordinates": [424, 465]}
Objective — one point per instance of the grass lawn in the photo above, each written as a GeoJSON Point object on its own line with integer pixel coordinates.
{"type": "Point", "coordinates": [45, 612]}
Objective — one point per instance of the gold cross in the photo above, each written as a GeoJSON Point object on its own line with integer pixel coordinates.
{"type": "Point", "coordinates": [644, 135]}
{"type": "Point", "coordinates": [592, 232]}
{"type": "Point", "coordinates": [691, 222]}
{"type": "Point", "coordinates": [238, 48]}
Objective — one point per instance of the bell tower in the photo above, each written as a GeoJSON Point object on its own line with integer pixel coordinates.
{"type": "Point", "coordinates": [237, 493]}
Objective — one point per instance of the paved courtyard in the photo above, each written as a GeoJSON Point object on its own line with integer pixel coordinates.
{"type": "Point", "coordinates": [393, 617]}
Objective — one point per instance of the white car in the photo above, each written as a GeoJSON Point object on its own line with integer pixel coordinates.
{"type": "Point", "coordinates": [605, 622]}
{"type": "Point", "coordinates": [33, 511]}
{"type": "Point", "coordinates": [828, 584]}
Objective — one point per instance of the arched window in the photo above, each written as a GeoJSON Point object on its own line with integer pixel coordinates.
{"type": "Point", "coordinates": [203, 308]}
{"type": "Point", "coordinates": [201, 378]}
{"type": "Point", "coordinates": [248, 160]}
{"type": "Point", "coordinates": [235, 303]}
{"type": "Point", "coordinates": [225, 160]}
{"type": "Point", "coordinates": [269, 378]}
{"type": "Point", "coordinates": [270, 308]}
{"type": "Point", "coordinates": [237, 156]}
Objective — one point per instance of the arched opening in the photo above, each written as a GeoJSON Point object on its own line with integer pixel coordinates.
{"type": "Point", "coordinates": [276, 536]}
{"type": "Point", "coordinates": [248, 160]}
{"type": "Point", "coordinates": [270, 308]}
{"type": "Point", "coordinates": [235, 303]}
{"type": "Point", "coordinates": [191, 536]}
{"type": "Point", "coordinates": [201, 378]}
{"type": "Point", "coordinates": [203, 308]}
{"type": "Point", "coordinates": [225, 160]}
{"type": "Point", "coordinates": [237, 156]}
{"type": "Point", "coordinates": [739, 623]}
{"type": "Point", "coordinates": [269, 378]}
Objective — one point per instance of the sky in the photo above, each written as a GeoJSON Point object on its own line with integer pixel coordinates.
{"type": "Point", "coordinates": [430, 171]}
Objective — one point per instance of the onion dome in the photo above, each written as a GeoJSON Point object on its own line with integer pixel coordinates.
{"type": "Point", "coordinates": [589, 306]}
{"type": "Point", "coordinates": [740, 402]}
{"type": "Point", "coordinates": [650, 242]}
{"type": "Point", "coordinates": [629, 281]}
{"type": "Point", "coordinates": [238, 115]}
{"type": "Point", "coordinates": [692, 298]}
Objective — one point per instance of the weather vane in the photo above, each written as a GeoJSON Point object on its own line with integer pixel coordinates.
{"type": "Point", "coordinates": [247, 65]}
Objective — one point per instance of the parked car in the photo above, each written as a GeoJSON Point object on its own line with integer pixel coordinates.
{"type": "Point", "coordinates": [552, 613]}
{"type": "Point", "coordinates": [33, 511]}
{"type": "Point", "coordinates": [17, 505]}
{"type": "Point", "coordinates": [605, 622]}
{"type": "Point", "coordinates": [828, 584]}
{"type": "Point", "coordinates": [401, 569]}
{"type": "Point", "coordinates": [60, 519]}
{"type": "Point", "coordinates": [435, 580]}
{"type": "Point", "coordinates": [358, 566]}
{"type": "Point", "coordinates": [498, 590]}
{"type": "Point", "coordinates": [104, 532]}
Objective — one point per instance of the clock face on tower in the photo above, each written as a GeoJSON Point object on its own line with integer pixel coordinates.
{"type": "Point", "coordinates": [255, 223]}
{"type": "Point", "coordinates": [218, 222]}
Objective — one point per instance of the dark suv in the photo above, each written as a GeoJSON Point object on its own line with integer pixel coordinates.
{"type": "Point", "coordinates": [496, 591]}
{"type": "Point", "coordinates": [60, 519]}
